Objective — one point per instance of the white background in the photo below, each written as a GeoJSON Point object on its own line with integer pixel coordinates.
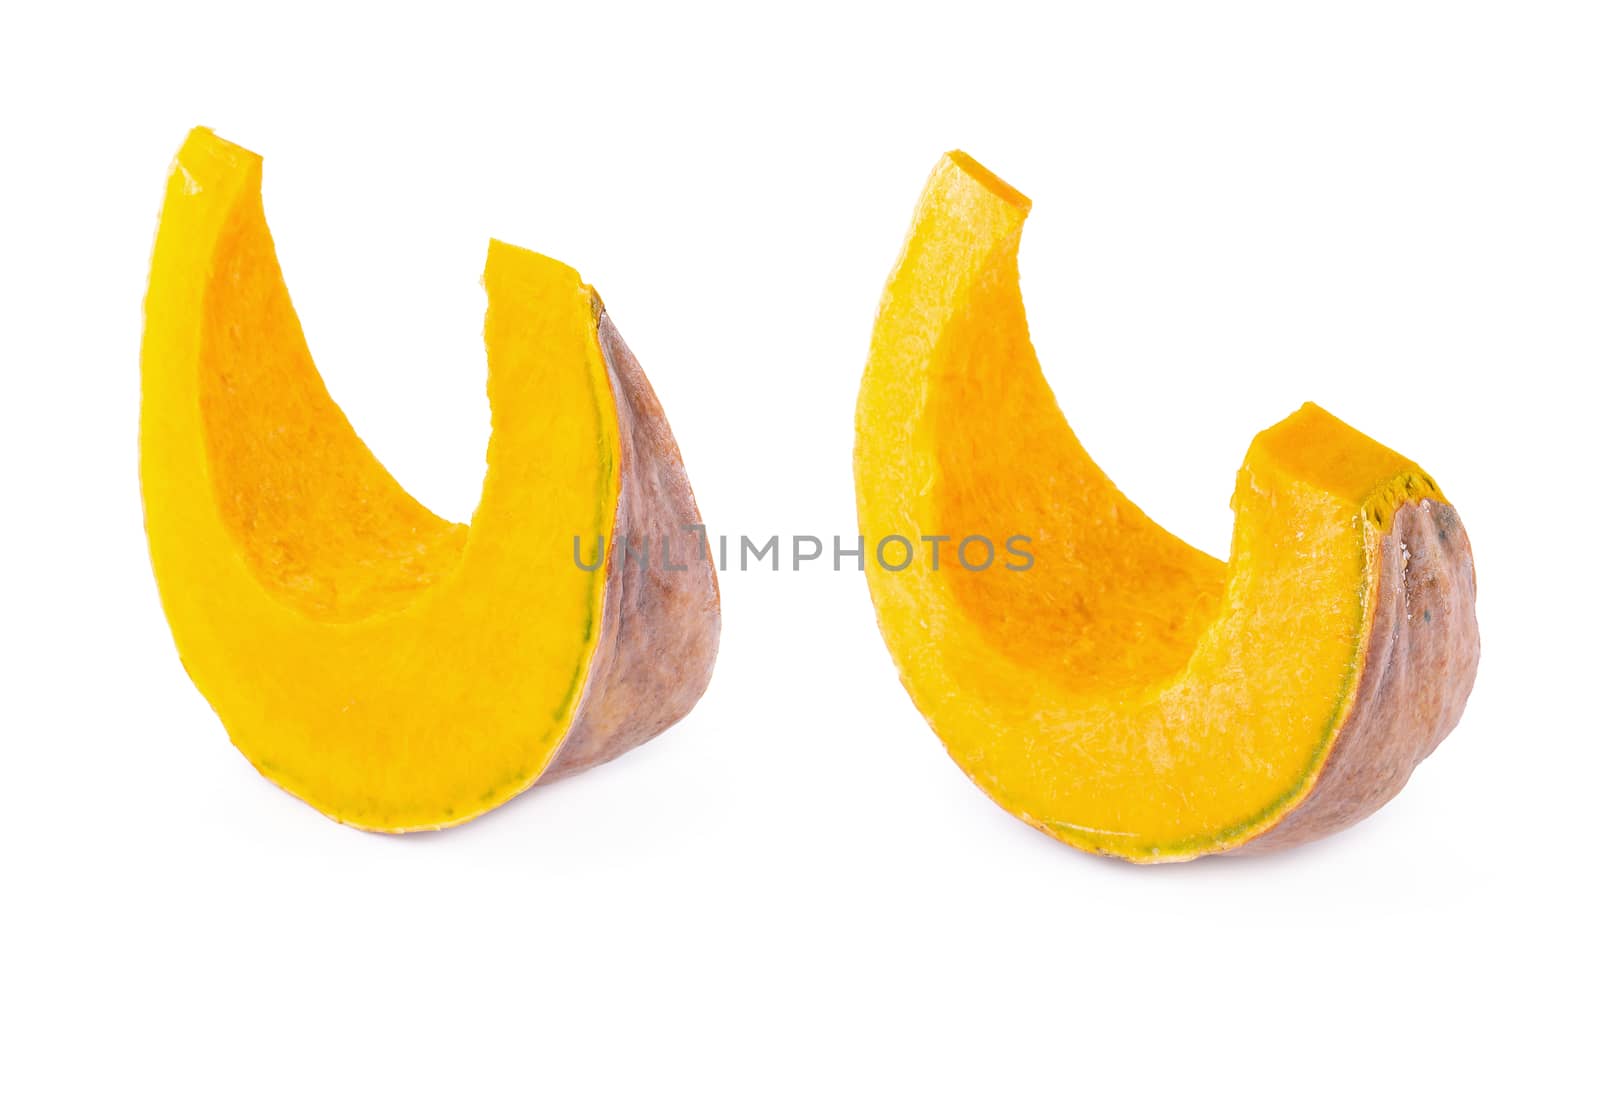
{"type": "Point", "coordinates": [1391, 209]}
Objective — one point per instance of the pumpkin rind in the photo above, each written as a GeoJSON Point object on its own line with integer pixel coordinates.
{"type": "Point", "coordinates": [1422, 658]}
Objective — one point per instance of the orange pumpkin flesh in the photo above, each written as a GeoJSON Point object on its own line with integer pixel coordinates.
{"type": "Point", "coordinates": [1129, 694]}
{"type": "Point", "coordinates": [393, 669]}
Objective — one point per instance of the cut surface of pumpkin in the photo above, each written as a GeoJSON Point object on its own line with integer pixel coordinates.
{"type": "Point", "coordinates": [1127, 693]}
{"type": "Point", "coordinates": [393, 669]}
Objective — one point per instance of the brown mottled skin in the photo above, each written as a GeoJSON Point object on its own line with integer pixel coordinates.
{"type": "Point", "coordinates": [659, 628]}
{"type": "Point", "coordinates": [1422, 656]}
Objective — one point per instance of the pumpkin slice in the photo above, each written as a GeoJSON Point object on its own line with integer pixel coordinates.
{"type": "Point", "coordinates": [1126, 693]}
{"type": "Point", "coordinates": [395, 670]}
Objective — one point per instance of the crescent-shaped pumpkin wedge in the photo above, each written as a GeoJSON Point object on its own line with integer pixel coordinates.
{"type": "Point", "coordinates": [1128, 694]}
{"type": "Point", "coordinates": [395, 670]}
